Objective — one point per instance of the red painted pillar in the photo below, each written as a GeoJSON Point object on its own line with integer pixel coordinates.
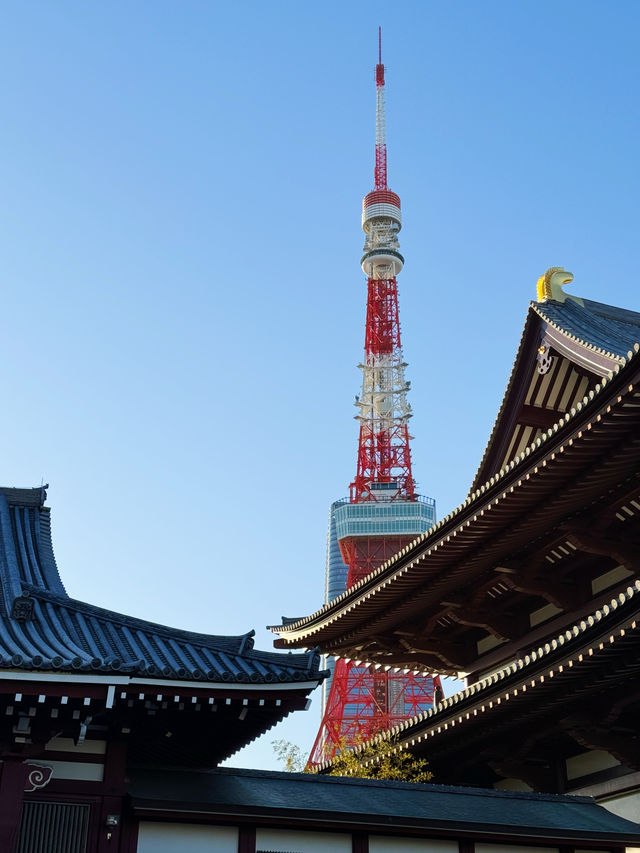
{"type": "Point", "coordinates": [13, 778]}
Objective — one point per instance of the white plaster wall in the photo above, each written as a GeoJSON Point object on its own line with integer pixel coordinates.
{"type": "Point", "coordinates": [87, 771]}
{"type": "Point", "coordinates": [513, 848]}
{"type": "Point", "coordinates": [185, 838]}
{"type": "Point", "coordinates": [66, 744]}
{"type": "Point", "coordinates": [580, 850]}
{"type": "Point", "coordinates": [627, 805]}
{"type": "Point", "coordinates": [292, 841]}
{"type": "Point", "coordinates": [382, 844]}
{"type": "Point", "coordinates": [589, 762]}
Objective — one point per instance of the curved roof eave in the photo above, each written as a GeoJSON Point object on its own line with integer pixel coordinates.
{"type": "Point", "coordinates": [549, 658]}
{"type": "Point", "coordinates": [301, 632]}
{"type": "Point", "coordinates": [43, 630]}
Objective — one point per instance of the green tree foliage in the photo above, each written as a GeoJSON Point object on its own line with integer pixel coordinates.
{"type": "Point", "coordinates": [379, 760]}
{"type": "Point", "coordinates": [293, 758]}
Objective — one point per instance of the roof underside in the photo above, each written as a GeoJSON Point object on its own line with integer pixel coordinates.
{"type": "Point", "coordinates": [580, 690]}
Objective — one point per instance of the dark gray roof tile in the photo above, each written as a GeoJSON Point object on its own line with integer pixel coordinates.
{"type": "Point", "coordinates": [608, 329]}
{"type": "Point", "coordinates": [42, 628]}
{"type": "Point", "coordinates": [381, 802]}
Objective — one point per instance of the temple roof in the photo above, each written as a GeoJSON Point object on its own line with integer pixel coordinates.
{"type": "Point", "coordinates": [546, 704]}
{"type": "Point", "coordinates": [584, 341]}
{"type": "Point", "coordinates": [605, 327]}
{"type": "Point", "coordinates": [580, 416]}
{"type": "Point", "coordinates": [368, 803]}
{"type": "Point", "coordinates": [42, 628]}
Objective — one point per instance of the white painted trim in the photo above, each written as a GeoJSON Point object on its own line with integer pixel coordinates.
{"type": "Point", "coordinates": [64, 677]}
{"type": "Point", "coordinates": [80, 770]}
{"type": "Point", "coordinates": [123, 680]}
{"type": "Point", "coordinates": [293, 840]}
{"type": "Point", "coordinates": [168, 837]}
{"type": "Point", "coordinates": [242, 687]}
{"type": "Point", "coordinates": [66, 744]}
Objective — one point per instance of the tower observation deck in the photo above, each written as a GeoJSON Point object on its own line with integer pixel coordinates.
{"type": "Point", "coordinates": [383, 512]}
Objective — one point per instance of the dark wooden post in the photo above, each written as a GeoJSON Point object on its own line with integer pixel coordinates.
{"type": "Point", "coordinates": [12, 783]}
{"type": "Point", "coordinates": [359, 842]}
{"type": "Point", "coordinates": [110, 835]}
{"type": "Point", "coordinates": [247, 839]}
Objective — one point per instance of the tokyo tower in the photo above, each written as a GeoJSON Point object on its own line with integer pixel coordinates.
{"type": "Point", "coordinates": [383, 512]}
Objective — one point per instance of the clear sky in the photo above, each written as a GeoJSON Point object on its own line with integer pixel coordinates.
{"type": "Point", "coordinates": [182, 304]}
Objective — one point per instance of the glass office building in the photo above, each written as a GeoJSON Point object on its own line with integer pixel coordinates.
{"type": "Point", "coordinates": [369, 519]}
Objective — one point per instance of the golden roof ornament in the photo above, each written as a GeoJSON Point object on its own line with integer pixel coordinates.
{"type": "Point", "coordinates": [551, 283]}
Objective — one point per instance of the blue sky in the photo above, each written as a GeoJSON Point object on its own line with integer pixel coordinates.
{"type": "Point", "coordinates": [182, 304]}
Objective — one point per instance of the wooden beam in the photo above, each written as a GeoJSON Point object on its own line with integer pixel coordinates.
{"type": "Point", "coordinates": [536, 417]}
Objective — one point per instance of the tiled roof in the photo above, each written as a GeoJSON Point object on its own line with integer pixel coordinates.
{"type": "Point", "coordinates": [612, 330]}
{"type": "Point", "coordinates": [371, 802]}
{"type": "Point", "coordinates": [41, 628]}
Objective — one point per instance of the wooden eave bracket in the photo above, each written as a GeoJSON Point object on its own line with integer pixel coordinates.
{"type": "Point", "coordinates": [504, 626]}
{"type": "Point", "coordinates": [451, 654]}
{"type": "Point", "coordinates": [591, 735]}
{"type": "Point", "coordinates": [624, 553]}
{"type": "Point", "coordinates": [535, 416]}
{"type": "Point", "coordinates": [562, 595]}
{"type": "Point", "coordinates": [540, 777]}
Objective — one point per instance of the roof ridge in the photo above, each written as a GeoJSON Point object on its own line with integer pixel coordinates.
{"type": "Point", "coordinates": [32, 591]}
{"type": "Point", "coordinates": [315, 778]}
{"type": "Point", "coordinates": [240, 646]}
{"type": "Point", "coordinates": [505, 396]}
{"type": "Point", "coordinates": [571, 305]}
{"type": "Point", "coordinates": [31, 496]}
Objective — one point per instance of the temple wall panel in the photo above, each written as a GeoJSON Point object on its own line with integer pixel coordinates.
{"type": "Point", "coordinates": [186, 838]}
{"type": "Point", "coordinates": [626, 805]}
{"type": "Point", "coordinates": [293, 841]}
{"type": "Point", "coordinates": [381, 844]}
{"type": "Point", "coordinates": [512, 848]}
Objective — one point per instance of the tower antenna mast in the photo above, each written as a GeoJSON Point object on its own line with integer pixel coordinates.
{"type": "Point", "coordinates": [383, 512]}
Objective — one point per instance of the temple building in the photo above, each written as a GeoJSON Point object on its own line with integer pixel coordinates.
{"type": "Point", "coordinates": [112, 729]}
{"type": "Point", "coordinates": [87, 694]}
{"type": "Point", "coordinates": [530, 589]}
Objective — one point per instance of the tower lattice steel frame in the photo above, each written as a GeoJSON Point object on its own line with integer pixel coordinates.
{"type": "Point", "coordinates": [383, 513]}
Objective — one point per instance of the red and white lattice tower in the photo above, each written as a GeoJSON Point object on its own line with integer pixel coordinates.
{"type": "Point", "coordinates": [383, 512]}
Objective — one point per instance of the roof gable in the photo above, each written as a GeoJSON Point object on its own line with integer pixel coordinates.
{"type": "Point", "coordinates": [565, 349]}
